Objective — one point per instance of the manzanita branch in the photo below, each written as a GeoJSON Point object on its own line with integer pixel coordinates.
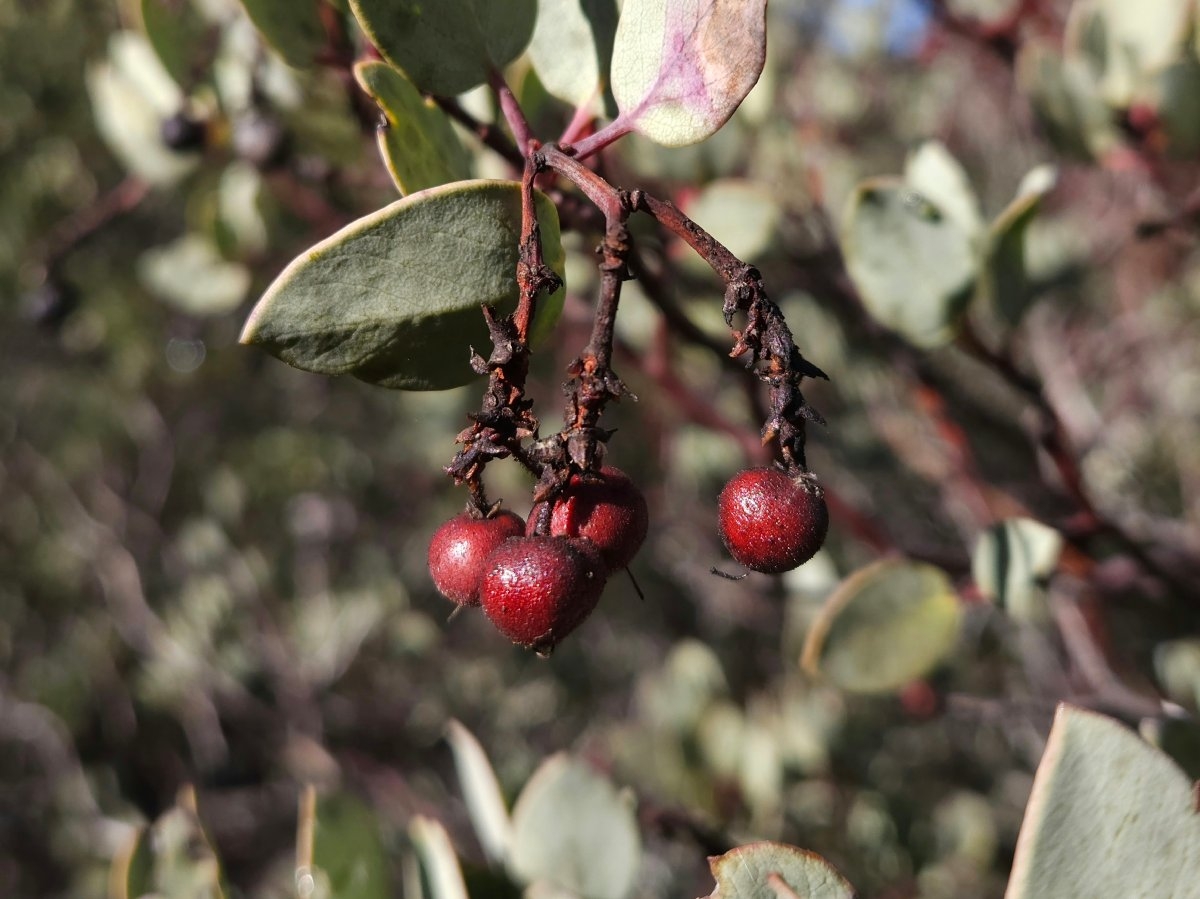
{"type": "Point", "coordinates": [492, 137]}
{"type": "Point", "coordinates": [506, 417]}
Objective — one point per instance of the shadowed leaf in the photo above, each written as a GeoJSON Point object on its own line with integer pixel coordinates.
{"type": "Point", "coordinates": [448, 47]}
{"type": "Point", "coordinates": [885, 626]}
{"type": "Point", "coordinates": [394, 298]}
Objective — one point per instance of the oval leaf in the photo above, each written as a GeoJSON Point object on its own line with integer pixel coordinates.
{"type": "Point", "coordinates": [418, 144]}
{"type": "Point", "coordinates": [1011, 563]}
{"type": "Point", "coordinates": [913, 264]}
{"type": "Point", "coordinates": [887, 625]}
{"type": "Point", "coordinates": [292, 27]}
{"type": "Point", "coordinates": [131, 94]}
{"type": "Point", "coordinates": [1109, 815]}
{"type": "Point", "coordinates": [394, 297]}
{"type": "Point", "coordinates": [936, 175]}
{"type": "Point", "coordinates": [485, 802]}
{"type": "Point", "coordinates": [776, 871]}
{"type": "Point", "coordinates": [572, 829]}
{"type": "Point", "coordinates": [448, 47]}
{"type": "Point", "coordinates": [681, 68]}
{"type": "Point", "coordinates": [572, 47]}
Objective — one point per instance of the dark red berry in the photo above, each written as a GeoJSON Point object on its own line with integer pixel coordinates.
{"type": "Point", "coordinates": [536, 590]}
{"type": "Point", "coordinates": [771, 522]}
{"type": "Point", "coordinates": [459, 550]}
{"type": "Point", "coordinates": [606, 508]}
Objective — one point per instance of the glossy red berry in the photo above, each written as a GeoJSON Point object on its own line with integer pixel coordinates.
{"type": "Point", "coordinates": [459, 550]}
{"type": "Point", "coordinates": [771, 522]}
{"type": "Point", "coordinates": [536, 590]}
{"type": "Point", "coordinates": [606, 508]}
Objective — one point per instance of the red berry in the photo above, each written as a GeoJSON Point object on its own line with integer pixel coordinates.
{"type": "Point", "coordinates": [536, 590]}
{"type": "Point", "coordinates": [459, 549]}
{"type": "Point", "coordinates": [605, 507]}
{"type": "Point", "coordinates": [771, 522]}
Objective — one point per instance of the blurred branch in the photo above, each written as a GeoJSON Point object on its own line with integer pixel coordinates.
{"type": "Point", "coordinates": [83, 223]}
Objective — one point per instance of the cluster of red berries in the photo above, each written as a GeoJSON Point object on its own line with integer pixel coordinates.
{"type": "Point", "coordinates": [537, 588]}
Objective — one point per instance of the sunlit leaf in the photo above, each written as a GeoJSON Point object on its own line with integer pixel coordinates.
{"type": "Point", "coordinates": [913, 264]}
{"type": "Point", "coordinates": [572, 829]}
{"type": "Point", "coordinates": [741, 214]}
{"type": "Point", "coordinates": [885, 626]}
{"type": "Point", "coordinates": [936, 175]}
{"type": "Point", "coordinates": [680, 69]}
{"type": "Point", "coordinates": [572, 47]}
{"type": "Point", "coordinates": [1132, 42]}
{"type": "Point", "coordinates": [776, 871]}
{"type": "Point", "coordinates": [394, 298]}
{"type": "Point", "coordinates": [438, 860]}
{"type": "Point", "coordinates": [418, 143]}
{"type": "Point", "coordinates": [131, 95]}
{"type": "Point", "coordinates": [1109, 816]}
{"type": "Point", "coordinates": [1011, 563]}
{"type": "Point", "coordinates": [481, 790]}
{"type": "Point", "coordinates": [190, 274]}
{"type": "Point", "coordinates": [448, 47]}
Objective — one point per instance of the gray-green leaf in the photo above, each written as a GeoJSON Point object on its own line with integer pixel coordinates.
{"type": "Point", "coordinates": [1011, 563]}
{"type": "Point", "coordinates": [572, 828]}
{"type": "Point", "coordinates": [1109, 816]}
{"type": "Point", "coordinates": [418, 145]}
{"type": "Point", "coordinates": [886, 625]}
{"type": "Point", "coordinates": [913, 264]}
{"type": "Point", "coordinates": [448, 47]}
{"type": "Point", "coordinates": [394, 297]}
{"type": "Point", "coordinates": [572, 47]}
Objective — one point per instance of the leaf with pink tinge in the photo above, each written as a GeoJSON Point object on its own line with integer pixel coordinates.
{"type": "Point", "coordinates": [769, 870]}
{"type": "Point", "coordinates": [681, 68]}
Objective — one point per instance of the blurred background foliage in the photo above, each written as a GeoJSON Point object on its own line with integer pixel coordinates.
{"type": "Point", "coordinates": [212, 567]}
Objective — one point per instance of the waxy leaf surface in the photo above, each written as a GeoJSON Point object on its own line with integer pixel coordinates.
{"type": "Point", "coordinates": [1110, 817]}
{"type": "Point", "coordinates": [913, 264]}
{"type": "Point", "coordinates": [572, 47]}
{"type": "Point", "coordinates": [573, 830]}
{"type": "Point", "coordinates": [681, 67]}
{"type": "Point", "coordinates": [449, 46]}
{"type": "Point", "coordinates": [394, 298]}
{"type": "Point", "coordinates": [418, 145]}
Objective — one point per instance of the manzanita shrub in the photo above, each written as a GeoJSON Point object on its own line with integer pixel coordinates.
{"type": "Point", "coordinates": [410, 296]}
{"type": "Point", "coordinates": [955, 639]}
